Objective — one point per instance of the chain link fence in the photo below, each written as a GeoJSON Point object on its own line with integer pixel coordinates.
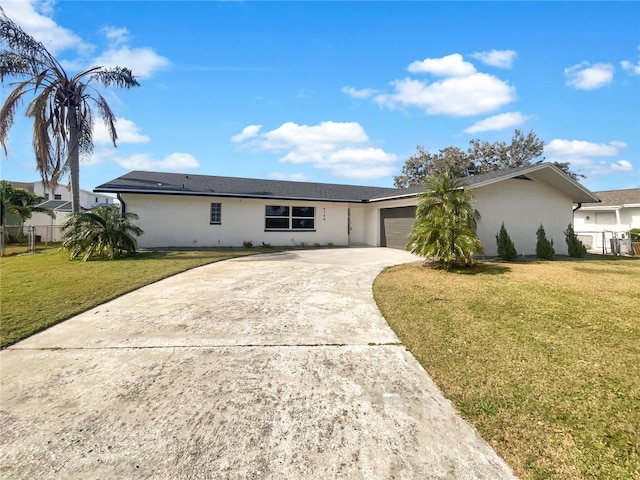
{"type": "Point", "coordinates": [29, 236]}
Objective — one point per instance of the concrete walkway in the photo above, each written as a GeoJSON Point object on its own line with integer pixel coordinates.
{"type": "Point", "coordinates": [273, 366]}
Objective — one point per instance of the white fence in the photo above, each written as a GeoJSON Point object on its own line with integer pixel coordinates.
{"type": "Point", "coordinates": [606, 242]}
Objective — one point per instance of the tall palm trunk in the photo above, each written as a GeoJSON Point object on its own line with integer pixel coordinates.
{"type": "Point", "coordinates": [74, 160]}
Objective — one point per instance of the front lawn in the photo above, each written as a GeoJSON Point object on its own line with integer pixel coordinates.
{"type": "Point", "coordinates": [40, 290]}
{"type": "Point", "coordinates": [543, 358]}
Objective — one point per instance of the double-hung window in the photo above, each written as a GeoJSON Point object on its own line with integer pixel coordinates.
{"type": "Point", "coordinates": [216, 214]}
{"type": "Point", "coordinates": [285, 217]}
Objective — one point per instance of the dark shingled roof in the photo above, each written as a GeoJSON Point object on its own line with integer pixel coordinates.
{"type": "Point", "coordinates": [616, 198]}
{"type": "Point", "coordinates": [176, 184]}
{"type": "Point", "coordinates": [205, 185]}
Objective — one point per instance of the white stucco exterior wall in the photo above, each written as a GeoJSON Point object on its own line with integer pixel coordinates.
{"type": "Point", "coordinates": [522, 205]}
{"type": "Point", "coordinates": [184, 221]}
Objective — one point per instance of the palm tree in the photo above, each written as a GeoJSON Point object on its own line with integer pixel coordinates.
{"type": "Point", "coordinates": [102, 232]}
{"type": "Point", "coordinates": [20, 202]}
{"type": "Point", "coordinates": [61, 107]}
{"type": "Point", "coordinates": [446, 221]}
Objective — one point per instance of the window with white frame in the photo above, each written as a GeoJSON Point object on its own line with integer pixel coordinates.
{"type": "Point", "coordinates": [216, 214]}
{"type": "Point", "coordinates": [285, 217]}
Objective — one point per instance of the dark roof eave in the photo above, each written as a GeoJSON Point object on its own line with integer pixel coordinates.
{"type": "Point", "coordinates": [226, 195]}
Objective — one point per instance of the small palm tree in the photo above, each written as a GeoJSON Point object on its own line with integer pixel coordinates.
{"type": "Point", "coordinates": [446, 221]}
{"type": "Point", "coordinates": [61, 107]}
{"type": "Point", "coordinates": [101, 232]}
{"type": "Point", "coordinates": [20, 202]}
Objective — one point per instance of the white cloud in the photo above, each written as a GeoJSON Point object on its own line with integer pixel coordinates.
{"type": "Point", "coordinates": [341, 148]}
{"type": "Point", "coordinates": [581, 148]}
{"type": "Point", "coordinates": [116, 35]}
{"type": "Point", "coordinates": [448, 66]}
{"type": "Point", "coordinates": [498, 122]}
{"type": "Point", "coordinates": [584, 76]}
{"type": "Point", "coordinates": [247, 133]}
{"type": "Point", "coordinates": [355, 93]}
{"type": "Point", "coordinates": [630, 67]}
{"type": "Point", "coordinates": [462, 92]}
{"type": "Point", "coordinates": [143, 62]}
{"type": "Point", "coordinates": [33, 17]}
{"type": "Point", "coordinates": [583, 156]}
{"type": "Point", "coordinates": [292, 177]}
{"type": "Point", "coordinates": [128, 132]}
{"type": "Point", "coordinates": [496, 58]}
{"type": "Point", "coordinates": [475, 94]}
{"type": "Point", "coordinates": [176, 162]}
{"type": "Point", "coordinates": [622, 166]}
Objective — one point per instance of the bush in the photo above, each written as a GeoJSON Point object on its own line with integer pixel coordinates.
{"type": "Point", "coordinates": [101, 232]}
{"type": "Point", "coordinates": [544, 247]}
{"type": "Point", "coordinates": [575, 246]}
{"type": "Point", "coordinates": [247, 244]}
{"type": "Point", "coordinates": [266, 245]}
{"type": "Point", "coordinates": [634, 233]}
{"type": "Point", "coordinates": [506, 248]}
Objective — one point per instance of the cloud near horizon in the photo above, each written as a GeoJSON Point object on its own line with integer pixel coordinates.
{"type": "Point", "coordinates": [460, 90]}
{"type": "Point", "coordinates": [498, 122]}
{"type": "Point", "coordinates": [582, 156]}
{"type": "Point", "coordinates": [341, 148]}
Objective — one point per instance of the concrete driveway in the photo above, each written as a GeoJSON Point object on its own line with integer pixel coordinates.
{"type": "Point", "coordinates": [273, 366]}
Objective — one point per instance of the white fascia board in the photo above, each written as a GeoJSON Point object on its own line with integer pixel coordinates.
{"type": "Point", "coordinates": [394, 197]}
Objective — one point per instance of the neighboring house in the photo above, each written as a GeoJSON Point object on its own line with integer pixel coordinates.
{"type": "Point", "coordinates": [88, 199]}
{"type": "Point", "coordinates": [178, 210]}
{"type": "Point", "coordinates": [597, 224]}
{"type": "Point", "coordinates": [47, 229]}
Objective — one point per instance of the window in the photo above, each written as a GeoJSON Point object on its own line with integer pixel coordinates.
{"type": "Point", "coordinates": [46, 196]}
{"type": "Point", "coordinates": [216, 214]}
{"type": "Point", "coordinates": [280, 217]}
{"type": "Point", "coordinates": [57, 196]}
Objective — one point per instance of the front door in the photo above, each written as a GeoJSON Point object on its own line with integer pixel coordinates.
{"type": "Point", "coordinates": [355, 225]}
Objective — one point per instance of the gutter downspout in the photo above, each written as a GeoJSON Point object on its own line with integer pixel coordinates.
{"type": "Point", "coordinates": [123, 206]}
{"type": "Point", "coordinates": [578, 207]}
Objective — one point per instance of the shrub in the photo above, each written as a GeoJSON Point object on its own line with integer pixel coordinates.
{"type": "Point", "coordinates": [575, 246]}
{"type": "Point", "coordinates": [266, 245]}
{"type": "Point", "coordinates": [302, 244]}
{"type": "Point", "coordinates": [544, 247]}
{"type": "Point", "coordinates": [247, 244]}
{"type": "Point", "coordinates": [316, 245]}
{"type": "Point", "coordinates": [101, 232]}
{"type": "Point", "coordinates": [634, 233]}
{"type": "Point", "coordinates": [506, 248]}
{"type": "Point", "coordinates": [330, 245]}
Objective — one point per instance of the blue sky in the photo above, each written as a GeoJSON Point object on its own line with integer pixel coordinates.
{"type": "Point", "coordinates": [343, 92]}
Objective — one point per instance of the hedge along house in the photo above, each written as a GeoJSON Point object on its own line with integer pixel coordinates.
{"type": "Point", "coordinates": [179, 210]}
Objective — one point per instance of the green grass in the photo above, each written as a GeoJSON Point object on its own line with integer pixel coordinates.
{"type": "Point", "coordinates": [40, 290]}
{"type": "Point", "coordinates": [543, 358]}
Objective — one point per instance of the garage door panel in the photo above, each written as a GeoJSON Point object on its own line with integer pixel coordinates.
{"type": "Point", "coordinates": [396, 224]}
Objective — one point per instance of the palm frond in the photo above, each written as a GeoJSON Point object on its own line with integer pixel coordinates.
{"type": "Point", "coordinates": [108, 117]}
{"type": "Point", "coordinates": [103, 232]}
{"type": "Point", "coordinates": [117, 76]}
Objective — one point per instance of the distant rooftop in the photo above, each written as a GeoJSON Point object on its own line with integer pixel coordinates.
{"type": "Point", "coordinates": [616, 198]}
